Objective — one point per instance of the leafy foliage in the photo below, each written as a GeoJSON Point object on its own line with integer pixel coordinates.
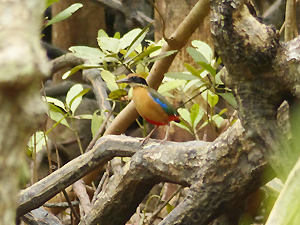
{"type": "Point", "coordinates": [64, 14]}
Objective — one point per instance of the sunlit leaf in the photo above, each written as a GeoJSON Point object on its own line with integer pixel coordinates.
{"type": "Point", "coordinates": [146, 53]}
{"type": "Point", "coordinates": [195, 83]}
{"type": "Point", "coordinates": [137, 40]}
{"type": "Point", "coordinates": [181, 75]}
{"type": "Point", "coordinates": [208, 68]}
{"type": "Point", "coordinates": [85, 117]}
{"type": "Point", "coordinates": [204, 49]}
{"type": "Point", "coordinates": [64, 14]}
{"type": "Point", "coordinates": [143, 70]}
{"type": "Point", "coordinates": [210, 97]}
{"type": "Point", "coordinates": [40, 141]}
{"type": "Point", "coordinates": [55, 101]}
{"type": "Point", "coordinates": [110, 80]}
{"type": "Point", "coordinates": [185, 114]}
{"type": "Point", "coordinates": [109, 44]}
{"type": "Point", "coordinates": [222, 111]}
{"type": "Point", "coordinates": [196, 55]}
{"type": "Point", "coordinates": [183, 125]}
{"type": "Point", "coordinates": [160, 56]}
{"type": "Point", "coordinates": [170, 86]}
{"type": "Point", "coordinates": [57, 115]}
{"type": "Point", "coordinates": [203, 125]}
{"type": "Point", "coordinates": [74, 97]}
{"type": "Point", "coordinates": [117, 35]}
{"type": "Point", "coordinates": [194, 71]}
{"type": "Point", "coordinates": [94, 55]}
{"type": "Point", "coordinates": [96, 122]}
{"type": "Point", "coordinates": [102, 33]}
{"type": "Point", "coordinates": [127, 39]}
{"type": "Point", "coordinates": [218, 120]}
{"type": "Point", "coordinates": [196, 114]}
{"type": "Point", "coordinates": [77, 68]}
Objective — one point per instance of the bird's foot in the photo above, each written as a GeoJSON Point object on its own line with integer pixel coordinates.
{"type": "Point", "coordinates": [145, 141]}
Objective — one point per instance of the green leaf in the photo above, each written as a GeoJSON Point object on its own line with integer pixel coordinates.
{"type": "Point", "coordinates": [117, 35]}
{"type": "Point", "coordinates": [185, 114]}
{"type": "Point", "coordinates": [78, 96]}
{"type": "Point", "coordinates": [137, 40]}
{"type": "Point", "coordinates": [94, 55]}
{"type": "Point", "coordinates": [170, 85]}
{"type": "Point", "coordinates": [65, 14]}
{"type": "Point", "coordinates": [204, 49]}
{"type": "Point", "coordinates": [96, 122]}
{"type": "Point", "coordinates": [218, 120]}
{"type": "Point", "coordinates": [194, 71]}
{"type": "Point", "coordinates": [54, 101]}
{"type": "Point", "coordinates": [210, 97]}
{"type": "Point", "coordinates": [57, 115]}
{"type": "Point", "coordinates": [218, 78]}
{"type": "Point", "coordinates": [110, 80]}
{"type": "Point", "coordinates": [208, 68]}
{"type": "Point", "coordinates": [196, 55]}
{"type": "Point", "coordinates": [181, 75]}
{"type": "Point", "coordinates": [286, 208]}
{"type": "Point", "coordinates": [77, 68]}
{"type": "Point", "coordinates": [195, 83]}
{"type": "Point", "coordinates": [117, 94]}
{"type": "Point", "coordinates": [40, 141]}
{"type": "Point", "coordinates": [203, 125]}
{"type": "Point", "coordinates": [50, 2]}
{"type": "Point", "coordinates": [196, 114]}
{"type": "Point", "coordinates": [273, 187]}
{"type": "Point", "coordinates": [84, 117]}
{"type": "Point", "coordinates": [102, 33]}
{"type": "Point", "coordinates": [143, 70]}
{"type": "Point", "coordinates": [159, 56]}
{"type": "Point", "coordinates": [229, 98]}
{"type": "Point", "coordinates": [74, 96]}
{"type": "Point", "coordinates": [109, 44]}
{"type": "Point", "coordinates": [222, 111]}
{"type": "Point", "coordinates": [169, 208]}
{"type": "Point", "coordinates": [183, 125]}
{"type": "Point", "coordinates": [144, 54]}
{"type": "Point", "coordinates": [128, 38]}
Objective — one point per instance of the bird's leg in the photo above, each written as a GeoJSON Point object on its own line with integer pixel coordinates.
{"type": "Point", "coordinates": [146, 139]}
{"type": "Point", "coordinates": [167, 132]}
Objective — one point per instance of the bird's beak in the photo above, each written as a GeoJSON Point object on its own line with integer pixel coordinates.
{"type": "Point", "coordinates": [125, 80]}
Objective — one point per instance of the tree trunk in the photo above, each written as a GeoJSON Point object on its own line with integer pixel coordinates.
{"type": "Point", "coordinates": [79, 29]}
{"type": "Point", "coordinates": [21, 108]}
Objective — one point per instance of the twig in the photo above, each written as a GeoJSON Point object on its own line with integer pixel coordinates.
{"type": "Point", "coordinates": [101, 129]}
{"type": "Point", "coordinates": [60, 204]}
{"type": "Point", "coordinates": [71, 206]}
{"type": "Point", "coordinates": [80, 190]}
{"type": "Point", "coordinates": [154, 216]}
{"type": "Point", "coordinates": [168, 40]}
{"type": "Point", "coordinates": [289, 20]}
{"type": "Point", "coordinates": [100, 186]}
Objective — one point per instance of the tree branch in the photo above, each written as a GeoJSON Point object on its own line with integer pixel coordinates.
{"type": "Point", "coordinates": [220, 173]}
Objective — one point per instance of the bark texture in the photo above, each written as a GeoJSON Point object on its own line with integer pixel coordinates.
{"type": "Point", "coordinates": [262, 72]}
{"type": "Point", "coordinates": [22, 64]}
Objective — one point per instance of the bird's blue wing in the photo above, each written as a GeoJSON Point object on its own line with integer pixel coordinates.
{"type": "Point", "coordinates": [158, 98]}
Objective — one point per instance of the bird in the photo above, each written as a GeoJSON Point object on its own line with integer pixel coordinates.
{"type": "Point", "coordinates": [150, 104]}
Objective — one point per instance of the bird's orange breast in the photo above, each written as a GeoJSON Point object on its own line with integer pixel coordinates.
{"type": "Point", "coordinates": [148, 108]}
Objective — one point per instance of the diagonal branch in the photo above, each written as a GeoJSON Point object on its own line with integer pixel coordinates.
{"type": "Point", "coordinates": [105, 149]}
